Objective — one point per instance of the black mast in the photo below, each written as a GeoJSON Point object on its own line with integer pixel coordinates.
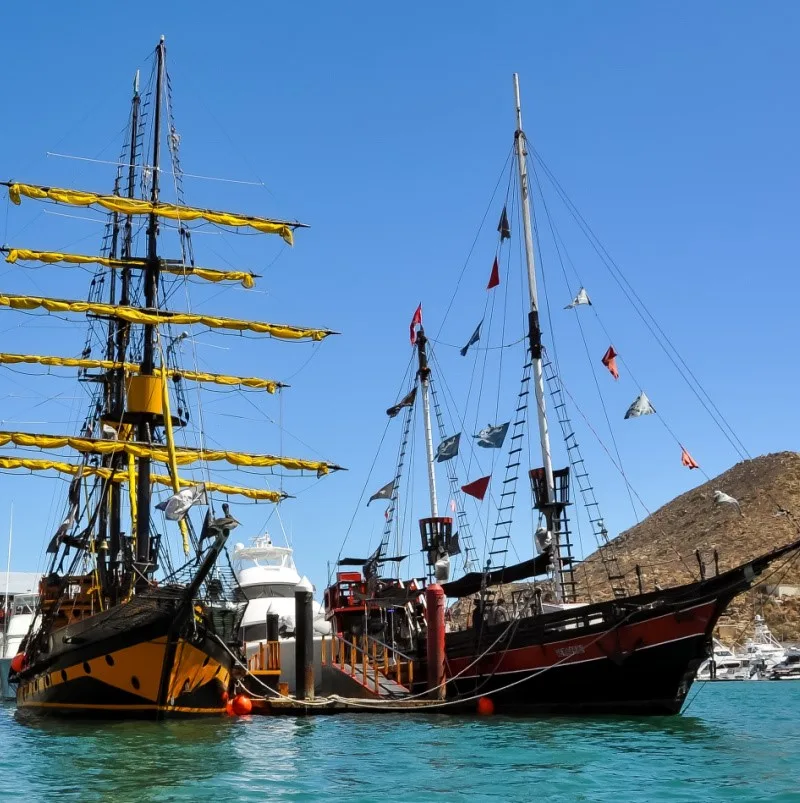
{"type": "Point", "coordinates": [143, 557]}
{"type": "Point", "coordinates": [118, 352]}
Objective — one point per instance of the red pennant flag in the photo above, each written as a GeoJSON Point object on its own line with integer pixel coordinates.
{"type": "Point", "coordinates": [415, 321]}
{"type": "Point", "coordinates": [610, 362]}
{"type": "Point", "coordinates": [477, 488]}
{"type": "Point", "coordinates": [687, 460]}
{"type": "Point", "coordinates": [494, 279]}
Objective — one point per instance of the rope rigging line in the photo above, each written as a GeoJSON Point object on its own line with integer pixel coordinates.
{"type": "Point", "coordinates": [667, 346]}
{"type": "Point", "coordinates": [582, 333]}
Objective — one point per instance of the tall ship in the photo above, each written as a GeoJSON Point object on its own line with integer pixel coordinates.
{"type": "Point", "coordinates": [138, 614]}
{"type": "Point", "coordinates": [521, 635]}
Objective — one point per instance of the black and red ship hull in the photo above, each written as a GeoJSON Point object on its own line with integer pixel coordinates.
{"type": "Point", "coordinates": [637, 655]}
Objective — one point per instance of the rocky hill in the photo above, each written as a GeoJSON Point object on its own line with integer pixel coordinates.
{"type": "Point", "coordinates": [666, 545]}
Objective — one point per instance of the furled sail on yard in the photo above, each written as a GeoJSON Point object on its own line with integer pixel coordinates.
{"type": "Point", "coordinates": [127, 626]}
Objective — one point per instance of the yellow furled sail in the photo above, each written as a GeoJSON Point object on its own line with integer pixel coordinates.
{"type": "Point", "coordinates": [256, 494]}
{"type": "Point", "coordinates": [270, 385]}
{"type": "Point", "coordinates": [183, 455]}
{"type": "Point", "coordinates": [52, 257]}
{"type": "Point", "coordinates": [136, 206]}
{"type": "Point", "coordinates": [143, 316]}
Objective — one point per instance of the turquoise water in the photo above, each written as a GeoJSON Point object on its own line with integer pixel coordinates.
{"type": "Point", "coordinates": [736, 741]}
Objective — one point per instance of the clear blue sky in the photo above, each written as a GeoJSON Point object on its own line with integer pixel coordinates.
{"type": "Point", "coordinates": [673, 126]}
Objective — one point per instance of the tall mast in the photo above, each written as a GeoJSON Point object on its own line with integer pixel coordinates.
{"type": "Point", "coordinates": [150, 302]}
{"type": "Point", "coordinates": [535, 340]}
{"type": "Point", "coordinates": [121, 330]}
{"type": "Point", "coordinates": [424, 379]}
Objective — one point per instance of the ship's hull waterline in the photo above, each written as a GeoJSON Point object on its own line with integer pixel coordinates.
{"type": "Point", "coordinates": [638, 655]}
{"type": "Point", "coordinates": [153, 671]}
{"type": "Point", "coordinates": [644, 668]}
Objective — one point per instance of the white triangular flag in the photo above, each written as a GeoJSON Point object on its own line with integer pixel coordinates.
{"type": "Point", "coordinates": [723, 499]}
{"type": "Point", "coordinates": [177, 506]}
{"type": "Point", "coordinates": [641, 406]}
{"type": "Point", "coordinates": [581, 298]}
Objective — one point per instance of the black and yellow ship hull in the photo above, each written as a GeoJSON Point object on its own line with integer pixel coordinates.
{"type": "Point", "coordinates": [150, 668]}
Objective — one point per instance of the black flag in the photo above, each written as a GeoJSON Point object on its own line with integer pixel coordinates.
{"type": "Point", "coordinates": [384, 493]}
{"type": "Point", "coordinates": [406, 401]}
{"type": "Point", "coordinates": [476, 336]}
{"type": "Point", "coordinates": [503, 227]}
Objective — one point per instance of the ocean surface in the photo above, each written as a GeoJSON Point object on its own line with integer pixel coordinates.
{"type": "Point", "coordinates": [735, 741]}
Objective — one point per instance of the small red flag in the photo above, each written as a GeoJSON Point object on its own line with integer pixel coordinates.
{"type": "Point", "coordinates": [415, 321]}
{"type": "Point", "coordinates": [477, 488]}
{"type": "Point", "coordinates": [494, 279]}
{"type": "Point", "coordinates": [687, 460]}
{"type": "Point", "coordinates": [610, 362]}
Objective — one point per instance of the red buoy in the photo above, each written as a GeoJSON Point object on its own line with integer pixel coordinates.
{"type": "Point", "coordinates": [229, 708]}
{"type": "Point", "coordinates": [242, 704]}
{"type": "Point", "coordinates": [485, 706]}
{"type": "Point", "coordinates": [18, 662]}
{"type": "Point", "coordinates": [224, 697]}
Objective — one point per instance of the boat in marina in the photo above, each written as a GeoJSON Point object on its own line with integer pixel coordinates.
{"type": "Point", "coordinates": [763, 650]}
{"type": "Point", "coordinates": [138, 614]}
{"type": "Point", "coordinates": [725, 664]}
{"type": "Point", "coordinates": [520, 637]}
{"type": "Point", "coordinates": [267, 579]}
{"type": "Point", "coordinates": [20, 616]}
{"type": "Point", "coordinates": [788, 669]}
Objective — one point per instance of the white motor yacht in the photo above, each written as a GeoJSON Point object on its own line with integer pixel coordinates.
{"type": "Point", "coordinates": [268, 577]}
{"type": "Point", "coordinates": [763, 649]}
{"type": "Point", "coordinates": [725, 664]}
{"type": "Point", "coordinates": [21, 615]}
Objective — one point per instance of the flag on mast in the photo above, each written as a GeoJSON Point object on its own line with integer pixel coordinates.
{"type": "Point", "coordinates": [384, 493]}
{"type": "Point", "coordinates": [687, 460]}
{"type": "Point", "coordinates": [581, 298]}
{"type": "Point", "coordinates": [494, 278]}
{"type": "Point", "coordinates": [415, 321]}
{"type": "Point", "coordinates": [503, 227]}
{"type": "Point", "coordinates": [610, 362]}
{"type": "Point", "coordinates": [640, 406]}
{"type": "Point", "coordinates": [406, 401]}
{"type": "Point", "coordinates": [448, 448]}
{"type": "Point", "coordinates": [476, 336]}
{"type": "Point", "coordinates": [477, 488]}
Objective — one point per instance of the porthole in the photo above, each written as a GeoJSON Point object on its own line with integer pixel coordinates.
{"type": "Point", "coordinates": [87, 668]}
{"type": "Point", "coordinates": [109, 660]}
{"type": "Point", "coordinates": [135, 682]}
{"type": "Point", "coordinates": [207, 659]}
{"type": "Point", "coordinates": [63, 675]}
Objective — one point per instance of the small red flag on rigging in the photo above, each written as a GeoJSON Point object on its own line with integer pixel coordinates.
{"type": "Point", "coordinates": [687, 460]}
{"type": "Point", "coordinates": [494, 279]}
{"type": "Point", "coordinates": [415, 321]}
{"type": "Point", "coordinates": [477, 488]}
{"type": "Point", "coordinates": [610, 362]}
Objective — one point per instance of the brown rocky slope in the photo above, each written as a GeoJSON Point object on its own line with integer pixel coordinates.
{"type": "Point", "coordinates": [665, 543]}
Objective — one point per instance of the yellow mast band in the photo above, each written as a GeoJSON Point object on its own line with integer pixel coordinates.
{"type": "Point", "coordinates": [136, 206]}
{"type": "Point", "coordinates": [208, 274]}
{"type": "Point", "coordinates": [142, 316]}
{"type": "Point", "coordinates": [256, 494]}
{"type": "Point", "coordinates": [183, 455]}
{"type": "Point", "coordinates": [254, 382]}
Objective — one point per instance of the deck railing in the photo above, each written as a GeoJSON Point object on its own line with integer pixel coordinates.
{"type": "Point", "coordinates": [267, 658]}
{"type": "Point", "coordinates": [371, 657]}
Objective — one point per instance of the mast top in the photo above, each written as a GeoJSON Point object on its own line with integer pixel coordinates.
{"type": "Point", "coordinates": [518, 102]}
